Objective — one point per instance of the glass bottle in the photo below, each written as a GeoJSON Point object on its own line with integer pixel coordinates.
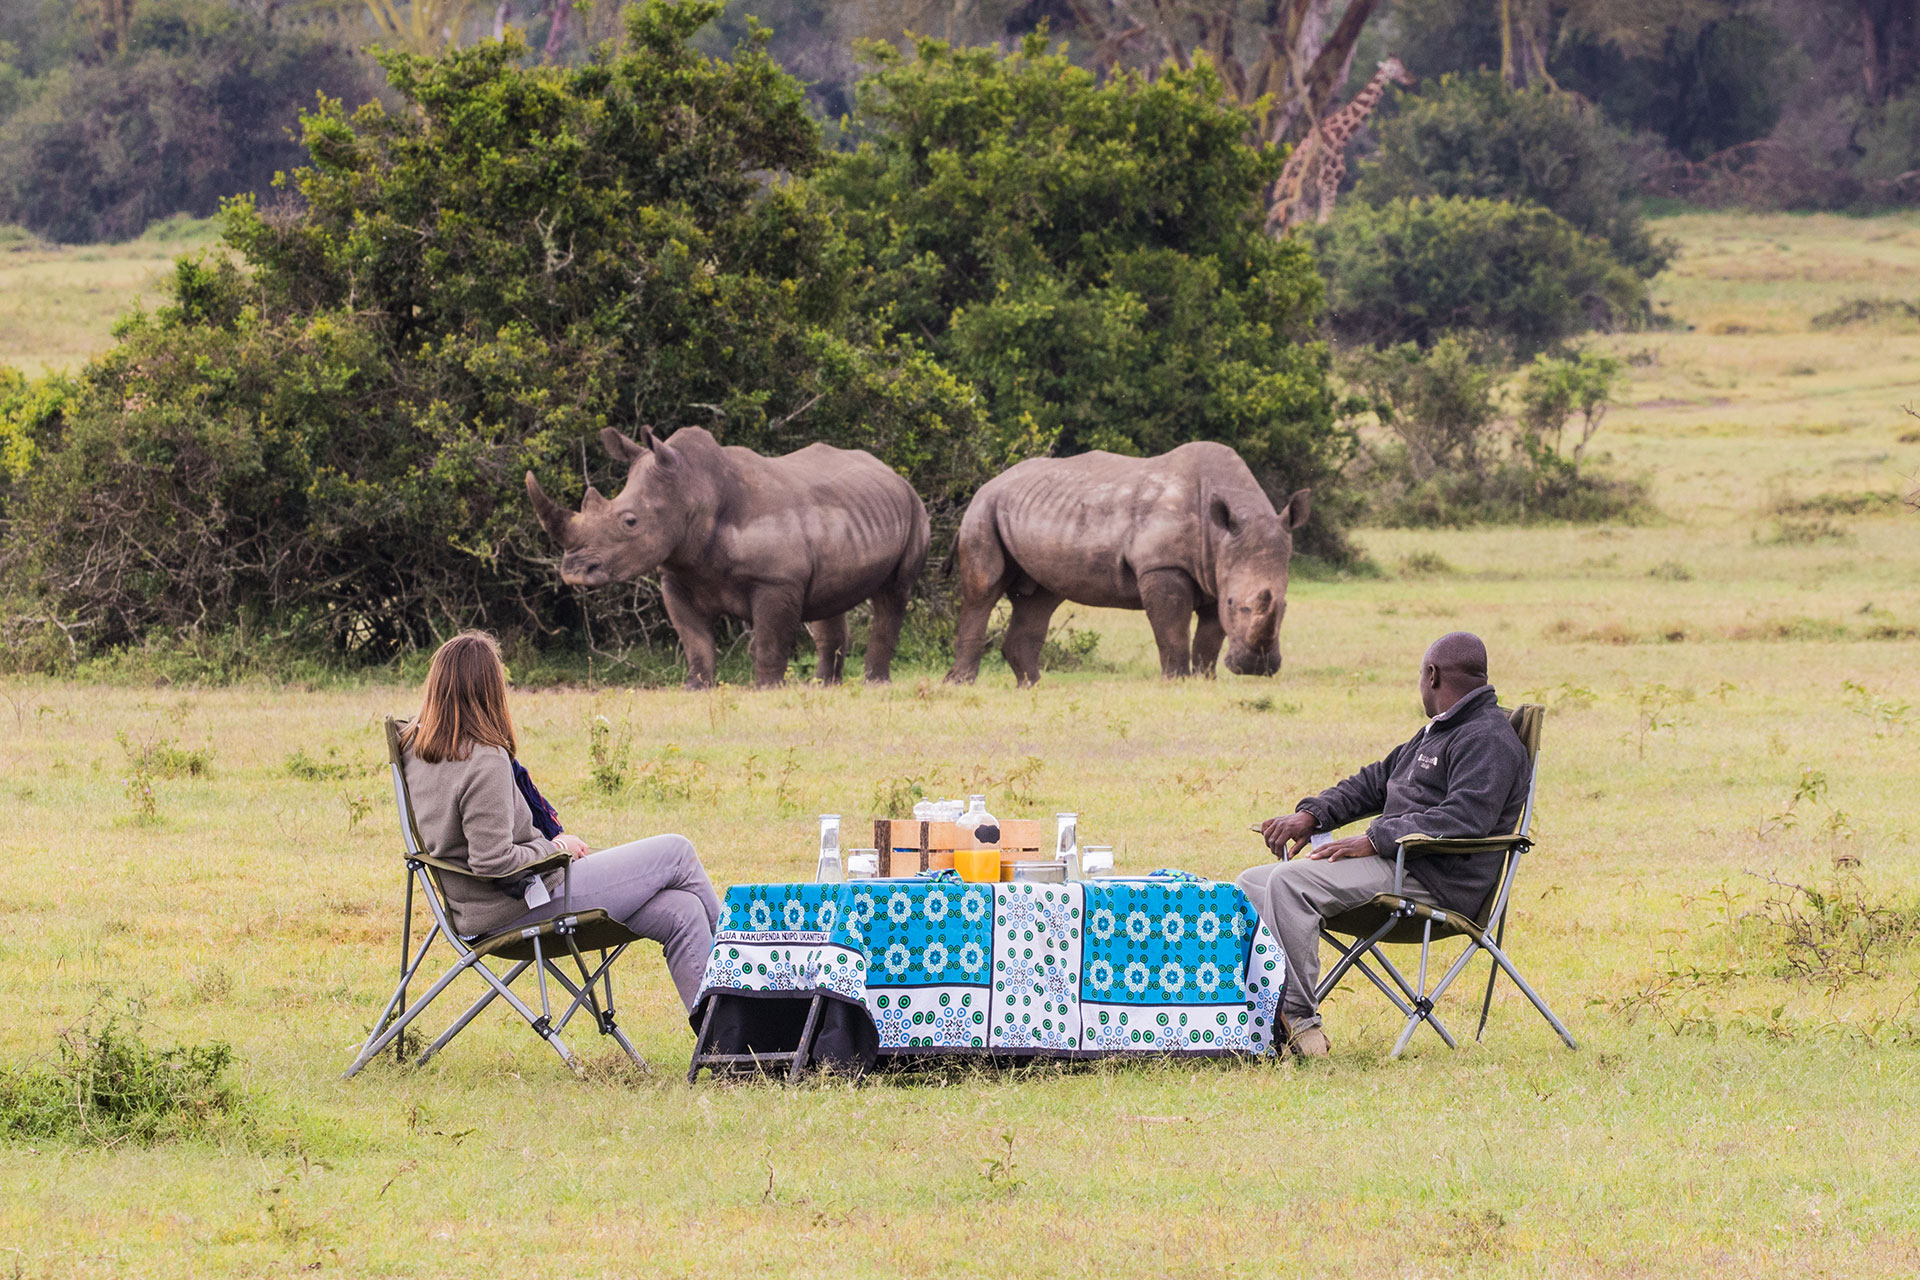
{"type": "Point", "coordinates": [1067, 843]}
{"type": "Point", "coordinates": [983, 826]}
{"type": "Point", "coordinates": [829, 870]}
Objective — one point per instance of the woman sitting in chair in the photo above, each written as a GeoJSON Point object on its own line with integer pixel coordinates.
{"type": "Point", "coordinates": [458, 756]}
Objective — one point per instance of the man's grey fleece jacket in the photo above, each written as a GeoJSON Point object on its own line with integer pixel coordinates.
{"type": "Point", "coordinates": [1464, 774]}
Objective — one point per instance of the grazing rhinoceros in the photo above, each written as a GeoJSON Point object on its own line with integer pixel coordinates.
{"type": "Point", "coordinates": [1187, 531]}
{"type": "Point", "coordinates": [776, 541]}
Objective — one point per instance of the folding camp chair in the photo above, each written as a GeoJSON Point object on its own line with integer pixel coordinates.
{"type": "Point", "coordinates": [541, 947]}
{"type": "Point", "coordinates": [1393, 918]}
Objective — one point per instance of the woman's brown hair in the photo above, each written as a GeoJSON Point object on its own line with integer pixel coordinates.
{"type": "Point", "coordinates": [464, 702]}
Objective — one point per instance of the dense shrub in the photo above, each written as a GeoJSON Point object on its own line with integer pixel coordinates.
{"type": "Point", "coordinates": [106, 1084]}
{"type": "Point", "coordinates": [328, 444]}
{"type": "Point", "coordinates": [1471, 135]}
{"type": "Point", "coordinates": [192, 107]}
{"type": "Point", "coordinates": [1454, 455]}
{"type": "Point", "coordinates": [1411, 270]}
{"type": "Point", "coordinates": [1088, 255]}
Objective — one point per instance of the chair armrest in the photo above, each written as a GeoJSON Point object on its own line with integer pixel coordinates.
{"type": "Point", "coordinates": [552, 862]}
{"type": "Point", "coordinates": [1419, 846]}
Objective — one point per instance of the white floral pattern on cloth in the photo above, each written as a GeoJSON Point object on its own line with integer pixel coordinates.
{"type": "Point", "coordinates": [1158, 965]}
{"type": "Point", "coordinates": [1037, 950]}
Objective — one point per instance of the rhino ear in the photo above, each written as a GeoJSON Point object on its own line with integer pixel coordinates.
{"type": "Point", "coordinates": [1299, 506]}
{"type": "Point", "coordinates": [1221, 515]}
{"type": "Point", "coordinates": [625, 450]}
{"type": "Point", "coordinates": [593, 501]}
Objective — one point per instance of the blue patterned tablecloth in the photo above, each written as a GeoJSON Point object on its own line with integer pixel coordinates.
{"type": "Point", "coordinates": [1153, 965]}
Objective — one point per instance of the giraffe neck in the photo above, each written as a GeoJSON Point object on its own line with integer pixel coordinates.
{"type": "Point", "coordinates": [1340, 125]}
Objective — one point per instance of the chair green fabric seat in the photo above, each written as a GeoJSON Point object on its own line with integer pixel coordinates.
{"type": "Point", "coordinates": [542, 947]}
{"type": "Point", "coordinates": [1395, 919]}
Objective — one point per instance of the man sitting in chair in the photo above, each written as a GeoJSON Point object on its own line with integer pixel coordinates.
{"type": "Point", "coordinates": [1464, 774]}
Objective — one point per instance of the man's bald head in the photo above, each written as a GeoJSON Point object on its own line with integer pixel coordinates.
{"type": "Point", "coordinates": [1455, 665]}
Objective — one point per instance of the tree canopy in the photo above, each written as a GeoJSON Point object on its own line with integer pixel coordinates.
{"type": "Point", "coordinates": [331, 433]}
{"type": "Point", "coordinates": [1088, 254]}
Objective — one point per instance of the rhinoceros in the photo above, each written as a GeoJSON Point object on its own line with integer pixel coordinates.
{"type": "Point", "coordinates": [1189, 531]}
{"type": "Point", "coordinates": [779, 542]}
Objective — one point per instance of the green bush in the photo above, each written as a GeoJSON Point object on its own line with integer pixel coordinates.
{"type": "Point", "coordinates": [1455, 457]}
{"type": "Point", "coordinates": [1088, 255]}
{"type": "Point", "coordinates": [193, 107]}
{"type": "Point", "coordinates": [1472, 136]}
{"type": "Point", "coordinates": [106, 1084]}
{"type": "Point", "coordinates": [1411, 270]}
{"type": "Point", "coordinates": [323, 444]}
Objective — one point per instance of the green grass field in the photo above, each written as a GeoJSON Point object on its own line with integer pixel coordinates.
{"type": "Point", "coordinates": [1742, 1104]}
{"type": "Point", "coordinates": [58, 302]}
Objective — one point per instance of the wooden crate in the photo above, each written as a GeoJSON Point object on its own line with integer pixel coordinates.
{"type": "Point", "coordinates": [908, 847]}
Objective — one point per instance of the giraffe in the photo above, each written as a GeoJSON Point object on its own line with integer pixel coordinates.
{"type": "Point", "coordinates": [1320, 161]}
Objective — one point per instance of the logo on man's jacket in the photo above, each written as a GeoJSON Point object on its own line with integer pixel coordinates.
{"type": "Point", "coordinates": [1425, 762]}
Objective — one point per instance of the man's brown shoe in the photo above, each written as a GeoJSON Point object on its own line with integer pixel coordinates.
{"type": "Point", "coordinates": [1310, 1043]}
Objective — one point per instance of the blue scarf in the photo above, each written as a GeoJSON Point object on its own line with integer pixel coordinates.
{"type": "Point", "coordinates": [544, 817]}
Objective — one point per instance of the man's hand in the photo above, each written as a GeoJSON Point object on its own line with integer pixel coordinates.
{"type": "Point", "coordinates": [1340, 850]}
{"type": "Point", "coordinates": [574, 845]}
{"type": "Point", "coordinates": [1287, 835]}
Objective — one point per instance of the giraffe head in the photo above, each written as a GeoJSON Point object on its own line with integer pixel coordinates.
{"type": "Point", "coordinates": [1394, 71]}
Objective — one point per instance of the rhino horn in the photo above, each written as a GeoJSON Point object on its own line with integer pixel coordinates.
{"type": "Point", "coordinates": [557, 519]}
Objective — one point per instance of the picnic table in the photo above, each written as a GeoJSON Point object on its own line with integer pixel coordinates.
{"type": "Point", "coordinates": [1166, 963]}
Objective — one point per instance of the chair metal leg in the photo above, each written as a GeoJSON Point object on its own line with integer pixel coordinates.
{"type": "Point", "coordinates": [386, 1037]}
{"type": "Point", "coordinates": [1349, 956]}
{"type": "Point", "coordinates": [1361, 966]}
{"type": "Point", "coordinates": [406, 942]}
{"type": "Point", "coordinates": [700, 1041]}
{"type": "Point", "coordinates": [460, 1023]}
{"type": "Point", "coordinates": [1493, 975]}
{"type": "Point", "coordinates": [1414, 999]}
{"type": "Point", "coordinates": [395, 1002]}
{"type": "Point", "coordinates": [805, 1048]}
{"type": "Point", "coordinates": [1500, 958]}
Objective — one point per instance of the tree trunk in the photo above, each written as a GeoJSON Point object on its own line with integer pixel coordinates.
{"type": "Point", "coordinates": [557, 33]}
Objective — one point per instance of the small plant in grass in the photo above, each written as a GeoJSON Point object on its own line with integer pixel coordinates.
{"type": "Point", "coordinates": [358, 807]}
{"type": "Point", "coordinates": [1424, 564]}
{"type": "Point", "coordinates": [149, 759]}
{"type": "Point", "coordinates": [139, 788]}
{"type": "Point", "coordinates": [1656, 711]}
{"type": "Point", "coordinates": [1001, 1171]}
{"type": "Point", "coordinates": [1787, 532]}
{"type": "Point", "coordinates": [896, 795]}
{"type": "Point", "coordinates": [1834, 933]}
{"type": "Point", "coordinates": [1071, 648]}
{"type": "Point", "coordinates": [609, 756]}
{"type": "Point", "coordinates": [1671, 571]}
{"type": "Point", "coordinates": [1266, 702]}
{"type": "Point", "coordinates": [1811, 789]}
{"type": "Point", "coordinates": [304, 768]}
{"type": "Point", "coordinates": [671, 777]}
{"type": "Point", "coordinates": [1887, 715]}
{"type": "Point", "coordinates": [106, 1084]}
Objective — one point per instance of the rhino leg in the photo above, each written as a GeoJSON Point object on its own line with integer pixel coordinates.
{"type": "Point", "coordinates": [1208, 636]}
{"type": "Point", "coordinates": [1168, 596]}
{"type": "Point", "coordinates": [830, 640]}
{"type": "Point", "coordinates": [694, 627]}
{"type": "Point", "coordinates": [984, 577]}
{"type": "Point", "coordinates": [776, 629]}
{"type": "Point", "coordinates": [889, 612]}
{"type": "Point", "coordinates": [1027, 633]}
